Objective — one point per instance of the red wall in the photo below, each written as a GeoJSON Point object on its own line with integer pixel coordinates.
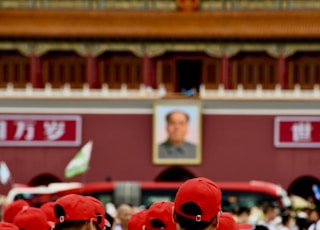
{"type": "Point", "coordinates": [235, 147]}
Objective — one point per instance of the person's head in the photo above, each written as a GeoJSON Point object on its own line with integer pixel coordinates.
{"type": "Point", "coordinates": [243, 214]}
{"type": "Point", "coordinates": [227, 222]}
{"type": "Point", "coordinates": [12, 209]}
{"type": "Point", "coordinates": [47, 208]}
{"type": "Point", "coordinates": [197, 205]}
{"type": "Point", "coordinates": [177, 126]}
{"type": "Point", "coordinates": [159, 216]}
{"type": "Point", "coordinates": [100, 212]}
{"type": "Point", "coordinates": [31, 218]}
{"type": "Point", "coordinates": [137, 220]}
{"type": "Point", "coordinates": [75, 212]}
{"type": "Point", "coordinates": [124, 213]}
{"type": "Point", "coordinates": [270, 211]}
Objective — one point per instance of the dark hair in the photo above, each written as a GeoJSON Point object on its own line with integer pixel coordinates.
{"type": "Point", "coordinates": [176, 111]}
{"type": "Point", "coordinates": [268, 207]}
{"type": "Point", "coordinates": [157, 223]}
{"type": "Point", "coordinates": [243, 209]}
{"type": "Point", "coordinates": [191, 208]}
{"type": "Point", "coordinates": [110, 219]}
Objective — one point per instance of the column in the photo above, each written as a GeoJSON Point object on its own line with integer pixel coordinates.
{"type": "Point", "coordinates": [225, 78]}
{"type": "Point", "coordinates": [35, 71]}
{"type": "Point", "coordinates": [92, 77]}
{"type": "Point", "coordinates": [146, 70]}
{"type": "Point", "coordinates": [281, 71]}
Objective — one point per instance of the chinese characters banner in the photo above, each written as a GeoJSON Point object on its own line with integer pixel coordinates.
{"type": "Point", "coordinates": [297, 132]}
{"type": "Point", "coordinates": [40, 130]}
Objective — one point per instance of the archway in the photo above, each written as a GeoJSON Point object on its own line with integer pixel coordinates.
{"type": "Point", "coordinates": [43, 179]}
{"type": "Point", "coordinates": [175, 174]}
{"type": "Point", "coordinates": [302, 186]}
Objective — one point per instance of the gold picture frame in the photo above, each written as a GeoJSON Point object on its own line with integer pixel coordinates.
{"type": "Point", "coordinates": [177, 133]}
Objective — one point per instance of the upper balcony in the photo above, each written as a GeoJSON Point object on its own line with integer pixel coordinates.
{"type": "Point", "coordinates": [167, 5]}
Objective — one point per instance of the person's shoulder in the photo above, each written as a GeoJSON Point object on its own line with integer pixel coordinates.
{"type": "Point", "coordinates": [189, 144]}
{"type": "Point", "coordinates": [165, 144]}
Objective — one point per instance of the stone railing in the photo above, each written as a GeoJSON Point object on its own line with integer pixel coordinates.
{"type": "Point", "coordinates": [161, 4]}
{"type": "Point", "coordinates": [148, 93]}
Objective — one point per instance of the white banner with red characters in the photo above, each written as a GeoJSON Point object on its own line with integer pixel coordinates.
{"type": "Point", "coordinates": [297, 132]}
{"type": "Point", "coordinates": [40, 130]}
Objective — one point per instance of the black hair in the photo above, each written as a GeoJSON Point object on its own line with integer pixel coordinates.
{"type": "Point", "coordinates": [243, 209]}
{"type": "Point", "coordinates": [157, 223]}
{"type": "Point", "coordinates": [191, 208]}
{"type": "Point", "coordinates": [177, 111]}
{"type": "Point", "coordinates": [110, 219]}
{"type": "Point", "coordinates": [59, 211]}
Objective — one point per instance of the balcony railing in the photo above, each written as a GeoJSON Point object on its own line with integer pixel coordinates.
{"type": "Point", "coordinates": [161, 4]}
{"type": "Point", "coordinates": [147, 93]}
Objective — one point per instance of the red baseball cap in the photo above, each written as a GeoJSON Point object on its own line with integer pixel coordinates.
{"type": "Point", "coordinates": [8, 226]}
{"type": "Point", "coordinates": [31, 218]}
{"type": "Point", "coordinates": [161, 211]}
{"type": "Point", "coordinates": [48, 209]}
{"type": "Point", "coordinates": [202, 192]}
{"type": "Point", "coordinates": [74, 207]}
{"type": "Point", "coordinates": [137, 220]}
{"type": "Point", "coordinates": [227, 222]}
{"type": "Point", "coordinates": [100, 211]}
{"type": "Point", "coordinates": [12, 209]}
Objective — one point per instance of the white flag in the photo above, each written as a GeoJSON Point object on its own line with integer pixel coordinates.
{"type": "Point", "coordinates": [80, 163]}
{"type": "Point", "coordinates": [4, 173]}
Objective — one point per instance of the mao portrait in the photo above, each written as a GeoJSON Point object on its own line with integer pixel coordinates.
{"type": "Point", "coordinates": [177, 134]}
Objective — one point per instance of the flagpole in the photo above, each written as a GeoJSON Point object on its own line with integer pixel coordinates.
{"type": "Point", "coordinates": [83, 181]}
{"type": "Point", "coordinates": [11, 181]}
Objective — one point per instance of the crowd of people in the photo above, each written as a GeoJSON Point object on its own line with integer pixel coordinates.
{"type": "Point", "coordinates": [197, 206]}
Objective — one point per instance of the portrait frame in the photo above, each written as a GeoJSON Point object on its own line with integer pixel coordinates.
{"type": "Point", "coordinates": [193, 136]}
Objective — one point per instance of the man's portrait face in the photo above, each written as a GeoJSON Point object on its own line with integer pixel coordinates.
{"type": "Point", "coordinates": [177, 127]}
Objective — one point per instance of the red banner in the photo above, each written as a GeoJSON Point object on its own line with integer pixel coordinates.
{"type": "Point", "coordinates": [297, 132]}
{"type": "Point", "coordinates": [40, 130]}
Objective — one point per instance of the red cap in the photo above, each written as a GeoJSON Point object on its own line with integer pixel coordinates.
{"type": "Point", "coordinates": [31, 218]}
{"type": "Point", "coordinates": [48, 209]}
{"type": "Point", "coordinates": [227, 222]}
{"type": "Point", "coordinates": [161, 210]}
{"type": "Point", "coordinates": [137, 220]}
{"type": "Point", "coordinates": [12, 209]}
{"type": "Point", "coordinates": [8, 226]}
{"type": "Point", "coordinates": [76, 207]}
{"type": "Point", "coordinates": [202, 192]}
{"type": "Point", "coordinates": [100, 211]}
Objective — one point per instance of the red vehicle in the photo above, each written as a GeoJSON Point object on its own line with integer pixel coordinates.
{"type": "Point", "coordinates": [234, 194]}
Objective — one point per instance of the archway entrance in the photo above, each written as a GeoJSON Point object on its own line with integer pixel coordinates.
{"type": "Point", "coordinates": [189, 75]}
{"type": "Point", "coordinates": [303, 187]}
{"type": "Point", "coordinates": [44, 179]}
{"type": "Point", "coordinates": [175, 174]}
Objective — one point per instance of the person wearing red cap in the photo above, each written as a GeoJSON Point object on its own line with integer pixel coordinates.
{"type": "Point", "coordinates": [12, 209]}
{"type": "Point", "coordinates": [8, 226]}
{"type": "Point", "coordinates": [31, 218]}
{"type": "Point", "coordinates": [75, 212]}
{"type": "Point", "coordinates": [227, 222]}
{"type": "Point", "coordinates": [159, 216]}
{"type": "Point", "coordinates": [124, 212]}
{"type": "Point", "coordinates": [47, 208]}
{"type": "Point", "coordinates": [137, 220]}
{"type": "Point", "coordinates": [197, 205]}
{"type": "Point", "coordinates": [100, 212]}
